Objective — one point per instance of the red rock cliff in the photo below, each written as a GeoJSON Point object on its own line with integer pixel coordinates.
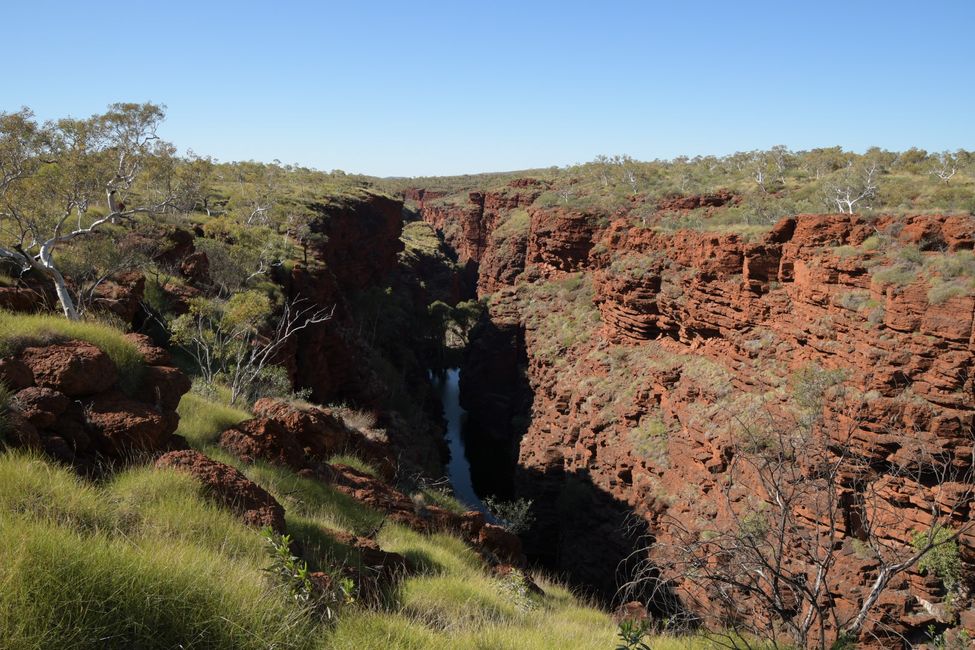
{"type": "Point", "coordinates": [634, 407]}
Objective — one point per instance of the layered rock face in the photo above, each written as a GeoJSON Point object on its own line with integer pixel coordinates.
{"type": "Point", "coordinates": [710, 333]}
{"type": "Point", "coordinates": [661, 348]}
{"type": "Point", "coordinates": [470, 228]}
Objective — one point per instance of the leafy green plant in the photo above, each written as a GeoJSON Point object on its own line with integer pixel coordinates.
{"type": "Point", "coordinates": [292, 571]}
{"type": "Point", "coordinates": [632, 635]}
{"type": "Point", "coordinates": [326, 596]}
{"type": "Point", "coordinates": [516, 587]}
{"type": "Point", "coordinates": [515, 515]}
{"type": "Point", "coordinates": [943, 559]}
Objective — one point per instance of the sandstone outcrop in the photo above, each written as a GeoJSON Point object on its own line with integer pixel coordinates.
{"type": "Point", "coordinates": [634, 420]}
{"type": "Point", "coordinates": [228, 487]}
{"type": "Point", "coordinates": [68, 402]}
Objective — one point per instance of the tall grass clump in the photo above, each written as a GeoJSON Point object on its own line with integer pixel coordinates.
{"type": "Point", "coordinates": [201, 421]}
{"type": "Point", "coordinates": [140, 561]}
{"type": "Point", "coordinates": [64, 589]}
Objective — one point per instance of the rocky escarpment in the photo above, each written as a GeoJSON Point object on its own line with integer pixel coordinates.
{"type": "Point", "coordinates": [645, 349]}
{"type": "Point", "coordinates": [356, 268]}
{"type": "Point", "coordinates": [710, 329]}
{"type": "Point", "coordinates": [467, 226]}
{"type": "Point", "coordinates": [69, 399]}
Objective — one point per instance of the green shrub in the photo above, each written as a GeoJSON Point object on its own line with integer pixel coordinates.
{"type": "Point", "coordinates": [515, 224]}
{"type": "Point", "coordinates": [514, 515]}
{"type": "Point", "coordinates": [897, 275]}
{"type": "Point", "coordinates": [941, 292]}
{"type": "Point", "coordinates": [515, 586]}
{"type": "Point", "coordinates": [943, 560]}
{"type": "Point", "coordinates": [650, 439]}
{"type": "Point", "coordinates": [632, 635]}
{"type": "Point", "coordinates": [294, 574]}
{"type": "Point", "coordinates": [872, 243]}
{"type": "Point", "coordinates": [853, 300]}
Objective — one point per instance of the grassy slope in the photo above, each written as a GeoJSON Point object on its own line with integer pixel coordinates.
{"type": "Point", "coordinates": [143, 560]}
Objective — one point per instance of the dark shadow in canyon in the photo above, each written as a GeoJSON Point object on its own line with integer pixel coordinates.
{"type": "Point", "coordinates": [581, 532]}
{"type": "Point", "coordinates": [494, 390]}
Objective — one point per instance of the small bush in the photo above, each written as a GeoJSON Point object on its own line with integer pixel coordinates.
{"type": "Point", "coordinates": [941, 292]}
{"type": "Point", "coordinates": [515, 515]}
{"type": "Point", "coordinates": [897, 275]}
{"type": "Point", "coordinates": [650, 440]}
{"type": "Point", "coordinates": [944, 559]}
{"type": "Point", "coordinates": [853, 300]}
{"type": "Point", "coordinates": [516, 224]}
{"type": "Point", "coordinates": [632, 635]}
{"type": "Point", "coordinates": [515, 586]}
{"type": "Point", "coordinates": [872, 243]}
{"type": "Point", "coordinates": [293, 573]}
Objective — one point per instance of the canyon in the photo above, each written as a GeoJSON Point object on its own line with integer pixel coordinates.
{"type": "Point", "coordinates": [619, 365]}
{"type": "Point", "coordinates": [620, 376]}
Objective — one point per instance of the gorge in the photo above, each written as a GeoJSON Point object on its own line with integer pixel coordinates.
{"type": "Point", "coordinates": [618, 367]}
{"type": "Point", "coordinates": [683, 387]}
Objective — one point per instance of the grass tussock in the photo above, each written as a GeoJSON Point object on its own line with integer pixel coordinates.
{"type": "Point", "coordinates": [18, 331]}
{"type": "Point", "coordinates": [355, 462]}
{"type": "Point", "coordinates": [142, 561]}
{"type": "Point", "coordinates": [201, 421]}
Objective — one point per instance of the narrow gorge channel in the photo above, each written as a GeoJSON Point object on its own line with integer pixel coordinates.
{"type": "Point", "coordinates": [447, 385]}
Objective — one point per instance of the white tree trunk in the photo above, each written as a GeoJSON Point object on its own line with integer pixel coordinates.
{"type": "Point", "coordinates": [60, 286]}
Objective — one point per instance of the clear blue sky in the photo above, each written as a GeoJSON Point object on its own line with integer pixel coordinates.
{"type": "Point", "coordinates": [413, 88]}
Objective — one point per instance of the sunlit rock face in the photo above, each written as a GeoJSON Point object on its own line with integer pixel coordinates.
{"type": "Point", "coordinates": [644, 350]}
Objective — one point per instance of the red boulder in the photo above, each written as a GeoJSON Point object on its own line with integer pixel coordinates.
{"type": "Point", "coordinates": [228, 487]}
{"type": "Point", "coordinates": [75, 368]}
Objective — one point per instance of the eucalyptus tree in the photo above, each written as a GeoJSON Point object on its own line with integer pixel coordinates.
{"type": "Point", "coordinates": [71, 178]}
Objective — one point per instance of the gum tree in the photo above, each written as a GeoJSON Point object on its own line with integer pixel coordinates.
{"type": "Point", "coordinates": [66, 180]}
